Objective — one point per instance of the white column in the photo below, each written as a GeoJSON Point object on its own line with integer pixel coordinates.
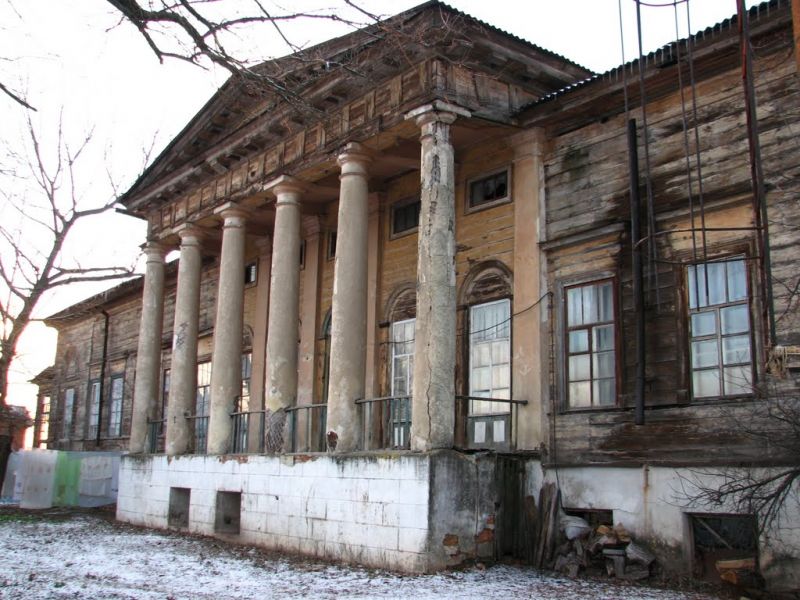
{"type": "Point", "coordinates": [183, 379]}
{"type": "Point", "coordinates": [226, 358]}
{"type": "Point", "coordinates": [349, 309]}
{"type": "Point", "coordinates": [148, 354]}
{"type": "Point", "coordinates": [433, 401]}
{"type": "Point", "coordinates": [282, 330]}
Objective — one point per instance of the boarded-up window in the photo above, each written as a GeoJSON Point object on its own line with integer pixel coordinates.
{"type": "Point", "coordinates": [719, 321]}
{"type": "Point", "coordinates": [591, 345]}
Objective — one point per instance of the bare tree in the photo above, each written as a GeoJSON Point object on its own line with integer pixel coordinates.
{"type": "Point", "coordinates": [43, 204]}
{"type": "Point", "coordinates": [769, 488]}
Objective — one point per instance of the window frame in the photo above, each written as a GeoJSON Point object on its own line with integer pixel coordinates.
{"type": "Point", "coordinates": [563, 353]}
{"type": "Point", "coordinates": [115, 425]}
{"type": "Point", "coordinates": [330, 244]}
{"type": "Point", "coordinates": [469, 208]}
{"type": "Point", "coordinates": [401, 204]}
{"type": "Point", "coordinates": [730, 255]}
{"type": "Point", "coordinates": [68, 414]}
{"type": "Point", "coordinates": [251, 267]}
{"type": "Point", "coordinates": [92, 425]}
{"type": "Point", "coordinates": [44, 420]}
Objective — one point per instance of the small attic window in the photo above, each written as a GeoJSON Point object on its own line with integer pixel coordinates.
{"type": "Point", "coordinates": [488, 190]}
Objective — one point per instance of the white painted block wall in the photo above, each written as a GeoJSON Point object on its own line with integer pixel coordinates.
{"type": "Point", "coordinates": [361, 509]}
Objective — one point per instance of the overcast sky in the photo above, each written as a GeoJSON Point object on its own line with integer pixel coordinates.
{"type": "Point", "coordinates": [75, 58]}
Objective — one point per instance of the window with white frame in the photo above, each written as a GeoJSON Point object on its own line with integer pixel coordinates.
{"type": "Point", "coordinates": [402, 381]}
{"type": "Point", "coordinates": [251, 273]}
{"type": "Point", "coordinates": [202, 405]}
{"type": "Point", "coordinates": [165, 381]}
{"type": "Point", "coordinates": [69, 406]}
{"type": "Point", "coordinates": [247, 371]}
{"type": "Point", "coordinates": [115, 406]}
{"type": "Point", "coordinates": [490, 356]}
{"type": "Point", "coordinates": [719, 323]}
{"type": "Point", "coordinates": [44, 423]}
{"type": "Point", "coordinates": [402, 357]}
{"type": "Point", "coordinates": [94, 409]}
{"type": "Point", "coordinates": [591, 349]}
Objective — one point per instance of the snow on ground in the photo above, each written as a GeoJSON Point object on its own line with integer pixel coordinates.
{"type": "Point", "coordinates": [86, 556]}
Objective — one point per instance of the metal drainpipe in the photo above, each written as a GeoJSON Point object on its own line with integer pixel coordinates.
{"type": "Point", "coordinates": [102, 374]}
{"type": "Point", "coordinates": [636, 258]}
{"type": "Point", "coordinates": [756, 171]}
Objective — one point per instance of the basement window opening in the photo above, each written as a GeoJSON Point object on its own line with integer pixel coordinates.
{"type": "Point", "coordinates": [228, 513]}
{"type": "Point", "coordinates": [178, 512]}
{"type": "Point", "coordinates": [725, 548]}
{"type": "Point", "coordinates": [595, 517]}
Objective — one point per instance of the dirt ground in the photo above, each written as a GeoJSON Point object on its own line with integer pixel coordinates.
{"type": "Point", "coordinates": [86, 554]}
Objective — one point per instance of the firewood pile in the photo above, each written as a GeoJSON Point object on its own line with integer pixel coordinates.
{"type": "Point", "coordinates": [600, 549]}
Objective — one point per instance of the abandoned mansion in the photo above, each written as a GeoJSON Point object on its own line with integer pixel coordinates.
{"type": "Point", "coordinates": [439, 270]}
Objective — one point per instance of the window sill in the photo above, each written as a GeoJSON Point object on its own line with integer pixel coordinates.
{"type": "Point", "coordinates": [485, 206]}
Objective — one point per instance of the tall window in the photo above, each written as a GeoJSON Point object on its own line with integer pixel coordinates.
{"type": "Point", "coordinates": [326, 357]}
{"type": "Point", "coordinates": [44, 423]}
{"type": "Point", "coordinates": [202, 405]}
{"type": "Point", "coordinates": [69, 406]}
{"type": "Point", "coordinates": [247, 371]}
{"type": "Point", "coordinates": [402, 381]}
{"type": "Point", "coordinates": [165, 380]}
{"type": "Point", "coordinates": [719, 320]}
{"type": "Point", "coordinates": [115, 406]}
{"type": "Point", "coordinates": [94, 410]}
{"type": "Point", "coordinates": [490, 358]}
{"type": "Point", "coordinates": [591, 345]}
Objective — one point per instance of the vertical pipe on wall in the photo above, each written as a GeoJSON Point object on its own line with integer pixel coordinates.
{"type": "Point", "coordinates": [636, 259]}
{"type": "Point", "coordinates": [756, 172]}
{"type": "Point", "coordinates": [103, 359]}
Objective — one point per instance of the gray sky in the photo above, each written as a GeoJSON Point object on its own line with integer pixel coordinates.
{"type": "Point", "coordinates": [75, 58]}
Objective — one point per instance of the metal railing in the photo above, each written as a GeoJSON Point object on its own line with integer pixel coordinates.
{"type": "Point", "coordinates": [386, 422]}
{"type": "Point", "coordinates": [154, 431]}
{"type": "Point", "coordinates": [307, 427]}
{"type": "Point", "coordinates": [200, 433]}
{"type": "Point", "coordinates": [490, 428]}
{"type": "Point", "coordinates": [247, 426]}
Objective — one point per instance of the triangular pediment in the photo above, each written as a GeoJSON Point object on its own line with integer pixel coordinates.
{"type": "Point", "coordinates": [285, 96]}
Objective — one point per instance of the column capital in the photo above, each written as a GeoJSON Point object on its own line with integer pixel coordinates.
{"type": "Point", "coordinates": [154, 251]}
{"type": "Point", "coordinates": [190, 234]}
{"type": "Point", "coordinates": [233, 215]}
{"type": "Point", "coordinates": [284, 185]}
{"type": "Point", "coordinates": [353, 159]}
{"type": "Point", "coordinates": [437, 111]}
